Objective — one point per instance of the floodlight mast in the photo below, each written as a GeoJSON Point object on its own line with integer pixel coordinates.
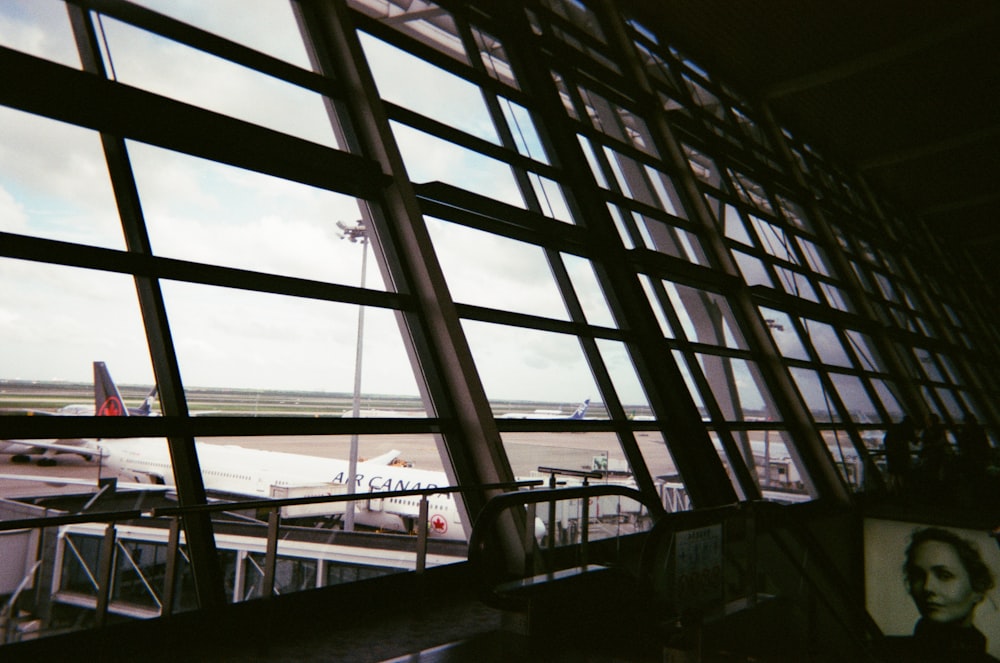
{"type": "Point", "coordinates": [356, 234]}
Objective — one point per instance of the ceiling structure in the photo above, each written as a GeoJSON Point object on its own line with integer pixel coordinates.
{"type": "Point", "coordinates": [907, 92]}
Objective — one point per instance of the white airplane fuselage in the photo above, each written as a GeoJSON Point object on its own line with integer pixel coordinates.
{"type": "Point", "coordinates": [255, 473]}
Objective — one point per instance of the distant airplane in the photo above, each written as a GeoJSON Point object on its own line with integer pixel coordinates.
{"type": "Point", "coordinates": [107, 402]}
{"type": "Point", "coordinates": [549, 414]}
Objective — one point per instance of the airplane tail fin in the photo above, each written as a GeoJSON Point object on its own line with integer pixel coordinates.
{"type": "Point", "coordinates": [385, 459]}
{"type": "Point", "coordinates": [580, 411]}
{"type": "Point", "coordinates": [107, 399]}
{"type": "Point", "coordinates": [146, 408]}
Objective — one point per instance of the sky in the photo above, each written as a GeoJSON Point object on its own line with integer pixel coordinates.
{"type": "Point", "coordinates": [54, 321]}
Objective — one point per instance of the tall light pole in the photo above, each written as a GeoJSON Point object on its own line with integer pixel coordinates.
{"type": "Point", "coordinates": [357, 233]}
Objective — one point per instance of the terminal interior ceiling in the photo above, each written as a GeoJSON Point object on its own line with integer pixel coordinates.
{"type": "Point", "coordinates": [904, 91]}
{"type": "Point", "coordinates": [685, 262]}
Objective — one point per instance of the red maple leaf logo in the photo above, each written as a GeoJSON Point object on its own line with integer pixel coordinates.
{"type": "Point", "coordinates": [438, 523]}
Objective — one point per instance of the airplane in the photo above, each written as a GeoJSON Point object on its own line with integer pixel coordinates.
{"type": "Point", "coordinates": [232, 471]}
{"type": "Point", "coordinates": [549, 414]}
{"type": "Point", "coordinates": [107, 402]}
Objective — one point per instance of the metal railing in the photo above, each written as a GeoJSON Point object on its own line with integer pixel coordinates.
{"type": "Point", "coordinates": [272, 507]}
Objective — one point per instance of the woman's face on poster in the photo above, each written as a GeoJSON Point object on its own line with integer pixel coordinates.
{"type": "Point", "coordinates": [940, 585]}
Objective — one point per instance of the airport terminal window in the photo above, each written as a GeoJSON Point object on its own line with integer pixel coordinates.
{"type": "Point", "coordinates": [618, 362]}
{"type": "Point", "coordinates": [490, 270]}
{"type": "Point", "coordinates": [529, 364]}
{"type": "Point", "coordinates": [39, 28]}
{"type": "Point", "coordinates": [285, 343]}
{"type": "Point", "coordinates": [57, 303]}
{"type": "Point", "coordinates": [200, 210]}
{"type": "Point", "coordinates": [737, 386]}
{"type": "Point", "coordinates": [785, 334]}
{"type": "Point", "coordinates": [428, 23]}
{"type": "Point", "coordinates": [54, 182]}
{"type": "Point", "coordinates": [262, 298]}
{"type": "Point", "coordinates": [441, 96]}
{"type": "Point", "coordinates": [456, 165]}
{"type": "Point", "coordinates": [268, 26]}
{"type": "Point", "coordinates": [588, 290]}
{"type": "Point", "coordinates": [704, 316]}
{"type": "Point", "coordinates": [142, 59]}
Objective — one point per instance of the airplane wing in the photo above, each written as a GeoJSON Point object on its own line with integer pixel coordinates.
{"type": "Point", "coordinates": [71, 481]}
{"type": "Point", "coordinates": [385, 458]}
{"type": "Point", "coordinates": [60, 446]}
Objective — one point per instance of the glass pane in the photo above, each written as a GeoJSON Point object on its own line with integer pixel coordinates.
{"type": "Point", "coordinates": [737, 387]}
{"type": "Point", "coordinates": [815, 256]}
{"type": "Point", "coordinates": [815, 395]}
{"type": "Point", "coordinates": [884, 390]}
{"type": "Point", "coordinates": [826, 343]}
{"type": "Point", "coordinates": [40, 28]}
{"type": "Point", "coordinates": [952, 405]}
{"type": "Point", "coordinates": [174, 70]}
{"type": "Point", "coordinates": [926, 359]}
{"type": "Point", "coordinates": [777, 471]}
{"type": "Point", "coordinates": [753, 270]}
{"type": "Point", "coordinates": [705, 316]}
{"type": "Point", "coordinates": [210, 212]}
{"type": "Point", "coordinates": [494, 57]}
{"type": "Point", "coordinates": [836, 297]}
{"type": "Point", "coordinates": [255, 342]}
{"type": "Point", "coordinates": [703, 166]}
{"type": "Point", "coordinates": [621, 226]}
{"type": "Point", "coordinates": [528, 452]}
{"type": "Point", "coordinates": [54, 182]}
{"type": "Point", "coordinates": [422, 20]}
{"type": "Point", "coordinates": [854, 397]}
{"type": "Point", "coordinates": [784, 334]}
{"type": "Point", "coordinates": [670, 201]}
{"type": "Point", "coordinates": [864, 350]}
{"type": "Point", "coordinates": [551, 199]}
{"type": "Point", "coordinates": [408, 81]}
{"type": "Point", "coordinates": [595, 166]}
{"type": "Point", "coordinates": [588, 290]}
{"type": "Point", "coordinates": [522, 128]}
{"type": "Point", "coordinates": [647, 287]}
{"type": "Point", "coordinates": [623, 375]}
{"type": "Point", "coordinates": [48, 330]}
{"type": "Point", "coordinates": [796, 283]}
{"type": "Point", "coordinates": [774, 240]}
{"type": "Point", "coordinates": [845, 457]}
{"type": "Point", "coordinates": [494, 271]}
{"type": "Point", "coordinates": [526, 364]}
{"type": "Point", "coordinates": [429, 159]}
{"type": "Point", "coordinates": [734, 228]}
{"type": "Point", "coordinates": [265, 25]}
{"type": "Point", "coordinates": [283, 466]}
